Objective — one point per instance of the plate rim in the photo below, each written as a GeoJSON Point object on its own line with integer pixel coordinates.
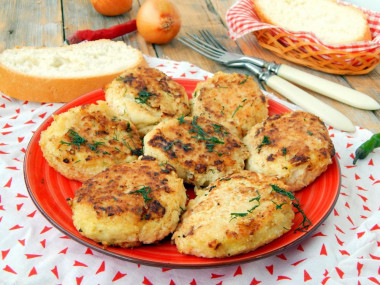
{"type": "Point", "coordinates": [212, 262]}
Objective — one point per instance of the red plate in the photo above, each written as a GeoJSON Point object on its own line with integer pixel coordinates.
{"type": "Point", "coordinates": [49, 190]}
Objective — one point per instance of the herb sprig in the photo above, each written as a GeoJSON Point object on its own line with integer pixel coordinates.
{"type": "Point", "coordinates": [77, 140]}
{"type": "Point", "coordinates": [144, 191]}
{"type": "Point", "coordinates": [305, 223]}
{"type": "Point", "coordinates": [257, 199]}
{"type": "Point", "coordinates": [200, 134]}
{"type": "Point", "coordinates": [143, 97]}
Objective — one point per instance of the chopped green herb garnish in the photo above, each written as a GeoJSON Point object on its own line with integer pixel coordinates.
{"type": "Point", "coordinates": [310, 133]}
{"type": "Point", "coordinates": [305, 223]}
{"type": "Point", "coordinates": [143, 97]}
{"type": "Point", "coordinates": [257, 199]}
{"type": "Point", "coordinates": [184, 146]}
{"type": "Point", "coordinates": [75, 139]}
{"type": "Point", "coordinates": [238, 107]}
{"type": "Point", "coordinates": [235, 215]}
{"type": "Point", "coordinates": [265, 141]}
{"type": "Point", "coordinates": [278, 206]}
{"type": "Point", "coordinates": [200, 134]}
{"type": "Point", "coordinates": [284, 150]}
{"type": "Point", "coordinates": [135, 151]}
{"type": "Point", "coordinates": [144, 191]}
{"type": "Point", "coordinates": [245, 80]}
{"type": "Point", "coordinates": [94, 146]}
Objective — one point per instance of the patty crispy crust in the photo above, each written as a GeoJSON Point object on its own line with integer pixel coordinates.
{"type": "Point", "coordinates": [199, 149]}
{"type": "Point", "coordinates": [87, 139]}
{"type": "Point", "coordinates": [294, 147]}
{"type": "Point", "coordinates": [130, 204]}
{"type": "Point", "coordinates": [235, 214]}
{"type": "Point", "coordinates": [234, 100]}
{"type": "Point", "coordinates": [146, 96]}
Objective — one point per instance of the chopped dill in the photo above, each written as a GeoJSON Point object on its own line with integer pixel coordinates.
{"type": "Point", "coordinates": [305, 223]}
{"type": "Point", "coordinates": [265, 141]}
{"type": "Point", "coordinates": [245, 80]}
{"type": "Point", "coordinates": [200, 134]}
{"type": "Point", "coordinates": [237, 108]}
{"type": "Point", "coordinates": [77, 140]}
{"type": "Point", "coordinates": [143, 97]}
{"type": "Point", "coordinates": [135, 151]}
{"type": "Point", "coordinates": [257, 199]}
{"type": "Point", "coordinates": [184, 146]}
{"type": "Point", "coordinates": [144, 191]}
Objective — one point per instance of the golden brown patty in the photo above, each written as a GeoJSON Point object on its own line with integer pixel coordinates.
{"type": "Point", "coordinates": [236, 214]}
{"type": "Point", "coordinates": [86, 140]}
{"type": "Point", "coordinates": [294, 147]}
{"type": "Point", "coordinates": [200, 150]}
{"type": "Point", "coordinates": [146, 96]}
{"type": "Point", "coordinates": [234, 100]}
{"type": "Point", "coordinates": [130, 204]}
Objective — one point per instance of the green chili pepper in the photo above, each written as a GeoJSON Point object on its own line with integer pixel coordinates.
{"type": "Point", "coordinates": [367, 147]}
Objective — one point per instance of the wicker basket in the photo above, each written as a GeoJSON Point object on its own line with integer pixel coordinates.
{"type": "Point", "coordinates": [316, 56]}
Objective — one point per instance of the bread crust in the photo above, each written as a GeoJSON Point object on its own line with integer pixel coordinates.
{"type": "Point", "coordinates": [27, 87]}
{"type": "Point", "coordinates": [266, 18]}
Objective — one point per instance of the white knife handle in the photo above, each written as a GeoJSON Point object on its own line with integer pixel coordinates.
{"type": "Point", "coordinates": [310, 104]}
{"type": "Point", "coordinates": [328, 88]}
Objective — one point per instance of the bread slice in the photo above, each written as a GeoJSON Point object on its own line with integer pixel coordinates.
{"type": "Point", "coordinates": [60, 74]}
{"type": "Point", "coordinates": [331, 22]}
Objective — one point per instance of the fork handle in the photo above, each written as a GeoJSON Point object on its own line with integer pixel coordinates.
{"type": "Point", "coordinates": [310, 104]}
{"type": "Point", "coordinates": [328, 88]}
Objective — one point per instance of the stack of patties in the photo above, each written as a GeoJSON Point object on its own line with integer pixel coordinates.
{"type": "Point", "coordinates": [130, 204]}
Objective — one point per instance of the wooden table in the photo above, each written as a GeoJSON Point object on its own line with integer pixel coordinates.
{"type": "Point", "coordinates": [49, 22]}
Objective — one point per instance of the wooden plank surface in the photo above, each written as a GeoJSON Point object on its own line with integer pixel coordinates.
{"type": "Point", "coordinates": [48, 23]}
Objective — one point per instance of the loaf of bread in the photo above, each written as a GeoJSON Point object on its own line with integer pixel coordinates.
{"type": "Point", "coordinates": [331, 22]}
{"type": "Point", "coordinates": [60, 74]}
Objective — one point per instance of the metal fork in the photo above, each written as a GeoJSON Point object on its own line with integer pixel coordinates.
{"type": "Point", "coordinates": [298, 96]}
{"type": "Point", "coordinates": [214, 50]}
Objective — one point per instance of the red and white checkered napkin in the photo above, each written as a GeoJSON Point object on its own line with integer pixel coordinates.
{"type": "Point", "coordinates": [242, 19]}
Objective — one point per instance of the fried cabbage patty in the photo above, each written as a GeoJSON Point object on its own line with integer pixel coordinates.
{"type": "Point", "coordinates": [234, 100]}
{"type": "Point", "coordinates": [86, 140]}
{"type": "Point", "coordinates": [235, 214]}
{"type": "Point", "coordinates": [146, 96]}
{"type": "Point", "coordinates": [130, 204]}
{"type": "Point", "coordinates": [294, 147]}
{"type": "Point", "coordinates": [199, 149]}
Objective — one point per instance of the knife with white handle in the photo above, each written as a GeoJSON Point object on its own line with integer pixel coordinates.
{"type": "Point", "coordinates": [328, 88]}
{"type": "Point", "coordinates": [317, 84]}
{"type": "Point", "coordinates": [310, 104]}
{"type": "Point", "coordinates": [301, 98]}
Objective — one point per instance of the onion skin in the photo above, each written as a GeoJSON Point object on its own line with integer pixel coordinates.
{"type": "Point", "coordinates": [158, 21]}
{"type": "Point", "coordinates": [111, 7]}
